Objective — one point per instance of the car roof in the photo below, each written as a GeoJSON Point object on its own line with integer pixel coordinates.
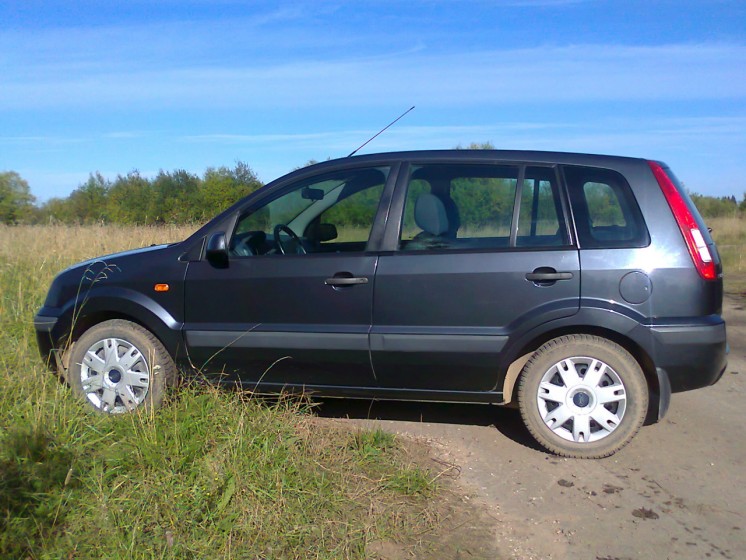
{"type": "Point", "coordinates": [523, 156]}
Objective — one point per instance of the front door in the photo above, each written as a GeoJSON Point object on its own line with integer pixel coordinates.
{"type": "Point", "coordinates": [293, 303]}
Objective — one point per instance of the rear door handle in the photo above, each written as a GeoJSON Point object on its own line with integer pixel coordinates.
{"type": "Point", "coordinates": [342, 281]}
{"type": "Point", "coordinates": [548, 276]}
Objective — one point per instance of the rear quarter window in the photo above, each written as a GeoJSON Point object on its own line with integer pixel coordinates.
{"type": "Point", "coordinates": [605, 210]}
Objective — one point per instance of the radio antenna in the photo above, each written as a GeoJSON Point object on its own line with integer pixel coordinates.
{"type": "Point", "coordinates": [380, 132]}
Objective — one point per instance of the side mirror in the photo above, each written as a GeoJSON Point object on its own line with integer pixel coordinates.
{"type": "Point", "coordinates": [217, 248]}
{"type": "Point", "coordinates": [327, 232]}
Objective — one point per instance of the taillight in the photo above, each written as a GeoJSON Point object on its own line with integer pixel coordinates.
{"type": "Point", "coordinates": [695, 242]}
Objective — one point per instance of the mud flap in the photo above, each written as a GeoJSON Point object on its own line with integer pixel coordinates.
{"type": "Point", "coordinates": [664, 392]}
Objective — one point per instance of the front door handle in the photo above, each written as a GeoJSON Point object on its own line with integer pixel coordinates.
{"type": "Point", "coordinates": [342, 281]}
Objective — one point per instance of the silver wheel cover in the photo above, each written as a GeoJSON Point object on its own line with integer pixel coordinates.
{"type": "Point", "coordinates": [581, 399]}
{"type": "Point", "coordinates": [115, 375]}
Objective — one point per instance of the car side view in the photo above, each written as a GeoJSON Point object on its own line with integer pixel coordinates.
{"type": "Point", "coordinates": [584, 289]}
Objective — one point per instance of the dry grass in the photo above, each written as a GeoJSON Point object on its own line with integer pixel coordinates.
{"type": "Point", "coordinates": [215, 474]}
{"type": "Point", "coordinates": [57, 244]}
{"type": "Point", "coordinates": [730, 236]}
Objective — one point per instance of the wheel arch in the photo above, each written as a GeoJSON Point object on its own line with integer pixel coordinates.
{"type": "Point", "coordinates": [521, 354]}
{"type": "Point", "coordinates": [121, 304]}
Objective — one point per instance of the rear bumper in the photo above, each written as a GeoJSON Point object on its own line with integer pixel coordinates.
{"type": "Point", "coordinates": [691, 356]}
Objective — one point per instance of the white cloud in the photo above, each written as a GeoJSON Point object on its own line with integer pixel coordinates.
{"type": "Point", "coordinates": [644, 137]}
{"type": "Point", "coordinates": [225, 138]}
{"type": "Point", "coordinates": [540, 75]}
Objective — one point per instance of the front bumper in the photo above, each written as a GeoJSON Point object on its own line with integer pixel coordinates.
{"type": "Point", "coordinates": [45, 338]}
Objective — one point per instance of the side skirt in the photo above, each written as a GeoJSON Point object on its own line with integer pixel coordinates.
{"type": "Point", "coordinates": [466, 397]}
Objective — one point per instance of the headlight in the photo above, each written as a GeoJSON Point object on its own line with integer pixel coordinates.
{"type": "Point", "coordinates": [54, 294]}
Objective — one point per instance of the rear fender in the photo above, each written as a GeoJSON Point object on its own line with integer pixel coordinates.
{"type": "Point", "coordinates": [616, 325]}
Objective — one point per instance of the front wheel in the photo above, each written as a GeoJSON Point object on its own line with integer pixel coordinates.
{"type": "Point", "coordinates": [118, 366]}
{"type": "Point", "coordinates": [582, 396]}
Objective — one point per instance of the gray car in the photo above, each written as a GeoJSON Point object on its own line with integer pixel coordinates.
{"type": "Point", "coordinates": [584, 288]}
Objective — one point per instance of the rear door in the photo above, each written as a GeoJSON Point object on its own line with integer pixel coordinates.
{"type": "Point", "coordinates": [481, 252]}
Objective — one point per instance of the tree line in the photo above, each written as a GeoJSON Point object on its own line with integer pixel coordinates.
{"type": "Point", "coordinates": [179, 197]}
{"type": "Point", "coordinates": [719, 207]}
{"type": "Point", "coordinates": [175, 197]}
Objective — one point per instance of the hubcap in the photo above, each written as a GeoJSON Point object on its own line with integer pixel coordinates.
{"type": "Point", "coordinates": [581, 399]}
{"type": "Point", "coordinates": [115, 375]}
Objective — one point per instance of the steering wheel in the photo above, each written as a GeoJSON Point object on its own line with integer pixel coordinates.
{"type": "Point", "coordinates": [282, 228]}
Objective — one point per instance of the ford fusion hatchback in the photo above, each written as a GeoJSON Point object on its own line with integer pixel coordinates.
{"type": "Point", "coordinates": [584, 289]}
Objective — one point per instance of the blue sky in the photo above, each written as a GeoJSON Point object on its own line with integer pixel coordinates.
{"type": "Point", "coordinates": [112, 87]}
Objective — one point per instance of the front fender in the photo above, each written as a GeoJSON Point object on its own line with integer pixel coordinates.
{"type": "Point", "coordinates": [102, 303]}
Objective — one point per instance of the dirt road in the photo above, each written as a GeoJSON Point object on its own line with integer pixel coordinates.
{"type": "Point", "coordinates": [677, 491]}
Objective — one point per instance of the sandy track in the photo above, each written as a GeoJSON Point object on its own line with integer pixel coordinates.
{"type": "Point", "coordinates": [677, 491]}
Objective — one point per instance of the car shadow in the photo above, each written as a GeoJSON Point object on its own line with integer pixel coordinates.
{"type": "Point", "coordinates": [507, 421]}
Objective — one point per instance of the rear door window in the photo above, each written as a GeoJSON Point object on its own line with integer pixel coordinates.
{"type": "Point", "coordinates": [473, 206]}
{"type": "Point", "coordinates": [458, 207]}
{"type": "Point", "coordinates": [606, 212]}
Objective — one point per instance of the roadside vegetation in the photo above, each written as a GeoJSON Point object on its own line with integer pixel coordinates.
{"type": "Point", "coordinates": [730, 235]}
{"type": "Point", "coordinates": [214, 474]}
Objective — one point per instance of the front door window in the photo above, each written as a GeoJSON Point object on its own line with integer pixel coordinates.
{"type": "Point", "coordinates": [328, 214]}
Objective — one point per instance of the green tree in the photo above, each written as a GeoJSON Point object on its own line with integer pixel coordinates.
{"type": "Point", "coordinates": [477, 146]}
{"type": "Point", "coordinates": [221, 187]}
{"type": "Point", "coordinates": [56, 210]}
{"type": "Point", "coordinates": [174, 198]}
{"type": "Point", "coordinates": [16, 200]}
{"type": "Point", "coordinates": [88, 202]}
{"type": "Point", "coordinates": [714, 207]}
{"type": "Point", "coordinates": [128, 199]}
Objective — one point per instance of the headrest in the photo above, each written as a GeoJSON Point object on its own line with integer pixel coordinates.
{"type": "Point", "coordinates": [430, 214]}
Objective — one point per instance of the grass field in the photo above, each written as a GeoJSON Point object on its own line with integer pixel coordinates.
{"type": "Point", "coordinates": [730, 236]}
{"type": "Point", "coordinates": [214, 474]}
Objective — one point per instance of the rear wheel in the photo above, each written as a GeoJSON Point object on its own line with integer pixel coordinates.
{"type": "Point", "coordinates": [118, 366]}
{"type": "Point", "coordinates": [582, 396]}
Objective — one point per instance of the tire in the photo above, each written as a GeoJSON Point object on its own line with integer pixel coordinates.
{"type": "Point", "coordinates": [574, 416]}
{"type": "Point", "coordinates": [118, 366]}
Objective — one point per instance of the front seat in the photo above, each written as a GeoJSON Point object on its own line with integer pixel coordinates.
{"type": "Point", "coordinates": [454, 220]}
{"type": "Point", "coordinates": [431, 217]}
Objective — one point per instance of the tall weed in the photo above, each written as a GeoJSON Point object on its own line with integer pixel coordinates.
{"type": "Point", "coordinates": [214, 474]}
{"type": "Point", "coordinates": [730, 236]}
